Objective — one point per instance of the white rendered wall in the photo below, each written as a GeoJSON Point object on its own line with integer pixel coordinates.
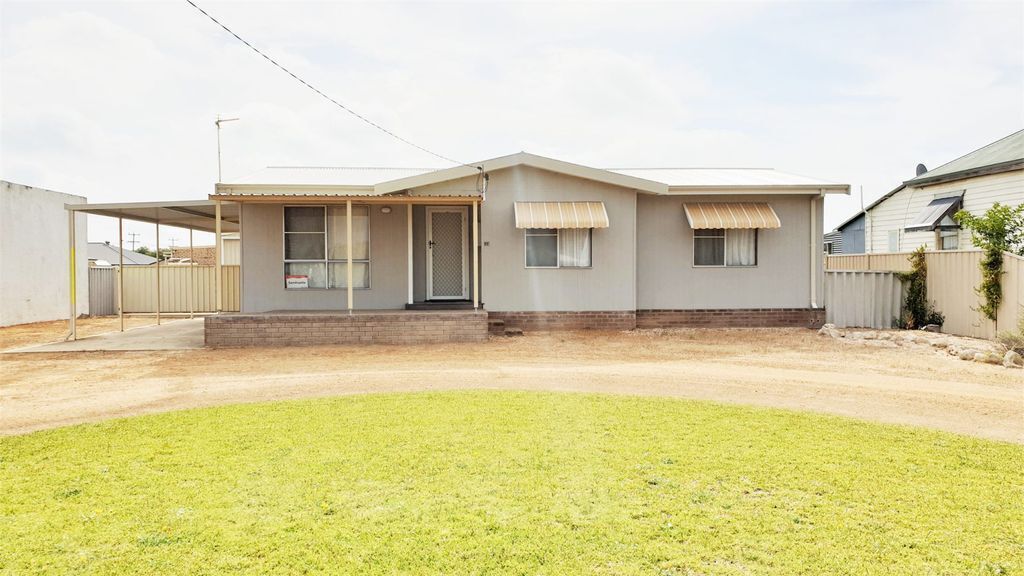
{"type": "Point", "coordinates": [34, 266]}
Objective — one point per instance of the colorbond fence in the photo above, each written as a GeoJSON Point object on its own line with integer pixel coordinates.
{"type": "Point", "coordinates": [953, 277]}
{"type": "Point", "coordinates": [182, 288]}
{"type": "Point", "coordinates": [862, 298]}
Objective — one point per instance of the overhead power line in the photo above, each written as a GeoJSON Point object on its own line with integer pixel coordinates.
{"type": "Point", "coordinates": [321, 93]}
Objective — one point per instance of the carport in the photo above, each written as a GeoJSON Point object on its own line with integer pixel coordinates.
{"type": "Point", "coordinates": [214, 216]}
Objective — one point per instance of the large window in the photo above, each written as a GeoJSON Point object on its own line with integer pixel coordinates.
{"type": "Point", "coordinates": [558, 248]}
{"type": "Point", "coordinates": [315, 247]}
{"type": "Point", "coordinates": [721, 247]}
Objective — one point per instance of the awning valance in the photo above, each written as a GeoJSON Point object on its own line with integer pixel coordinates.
{"type": "Point", "coordinates": [931, 217]}
{"type": "Point", "coordinates": [561, 215]}
{"type": "Point", "coordinates": [705, 215]}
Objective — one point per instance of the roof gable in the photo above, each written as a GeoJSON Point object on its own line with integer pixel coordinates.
{"type": "Point", "coordinates": [523, 159]}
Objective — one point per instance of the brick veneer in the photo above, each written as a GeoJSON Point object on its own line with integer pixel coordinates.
{"type": "Point", "coordinates": [738, 318]}
{"type": "Point", "coordinates": [610, 320]}
{"type": "Point", "coordinates": [310, 329]}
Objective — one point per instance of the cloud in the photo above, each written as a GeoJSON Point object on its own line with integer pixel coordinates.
{"type": "Point", "coordinates": [117, 101]}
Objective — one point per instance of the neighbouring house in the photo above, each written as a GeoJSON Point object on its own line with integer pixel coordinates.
{"type": "Point", "coordinates": [207, 255]}
{"type": "Point", "coordinates": [350, 255]}
{"type": "Point", "coordinates": [919, 211]}
{"type": "Point", "coordinates": [105, 253]}
{"type": "Point", "coordinates": [34, 260]}
{"type": "Point", "coordinates": [833, 242]}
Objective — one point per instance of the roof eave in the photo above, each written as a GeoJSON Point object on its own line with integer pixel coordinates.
{"type": "Point", "coordinates": [760, 189]}
{"type": "Point", "coordinates": [925, 180]}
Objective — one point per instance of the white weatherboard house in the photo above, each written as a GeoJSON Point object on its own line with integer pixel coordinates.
{"type": "Point", "coordinates": [919, 212]}
{"type": "Point", "coordinates": [340, 255]}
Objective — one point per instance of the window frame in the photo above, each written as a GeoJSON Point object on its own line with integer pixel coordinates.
{"type": "Point", "coordinates": [939, 238]}
{"type": "Point", "coordinates": [326, 261]}
{"type": "Point", "coordinates": [556, 232]}
{"type": "Point", "coordinates": [725, 249]}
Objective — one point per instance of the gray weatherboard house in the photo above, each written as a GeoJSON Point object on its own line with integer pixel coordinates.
{"type": "Point", "coordinates": [343, 255]}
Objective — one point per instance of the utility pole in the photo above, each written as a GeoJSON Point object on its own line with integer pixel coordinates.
{"type": "Point", "coordinates": [218, 123]}
{"type": "Point", "coordinates": [133, 240]}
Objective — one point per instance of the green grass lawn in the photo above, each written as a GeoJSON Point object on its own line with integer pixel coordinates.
{"type": "Point", "coordinates": [518, 483]}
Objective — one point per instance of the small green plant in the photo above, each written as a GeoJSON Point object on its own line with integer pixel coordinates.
{"type": "Point", "coordinates": [917, 310]}
{"type": "Point", "coordinates": [1000, 229]}
{"type": "Point", "coordinates": [1014, 339]}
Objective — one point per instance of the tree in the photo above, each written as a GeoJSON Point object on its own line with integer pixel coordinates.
{"type": "Point", "coordinates": [1000, 229]}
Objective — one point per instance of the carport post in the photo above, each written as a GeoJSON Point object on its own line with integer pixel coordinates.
{"type": "Point", "coordinates": [72, 280]}
{"type": "Point", "coordinates": [348, 251]}
{"type": "Point", "coordinates": [191, 275]}
{"type": "Point", "coordinates": [158, 271]}
{"type": "Point", "coordinates": [120, 271]}
{"type": "Point", "coordinates": [217, 279]}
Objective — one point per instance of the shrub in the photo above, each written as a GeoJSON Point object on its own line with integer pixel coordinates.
{"type": "Point", "coordinates": [1014, 340]}
{"type": "Point", "coordinates": [917, 310]}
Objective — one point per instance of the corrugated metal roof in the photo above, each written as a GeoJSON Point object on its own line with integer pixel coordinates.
{"type": "Point", "coordinates": [731, 215]}
{"type": "Point", "coordinates": [561, 215]}
{"type": "Point", "coordinates": [327, 175]}
{"type": "Point", "coordinates": [1008, 150]}
{"type": "Point", "coordinates": [369, 177]}
{"type": "Point", "coordinates": [708, 177]}
{"type": "Point", "coordinates": [104, 251]}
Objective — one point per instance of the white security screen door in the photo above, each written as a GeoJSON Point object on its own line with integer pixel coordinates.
{"type": "Point", "coordinates": [446, 253]}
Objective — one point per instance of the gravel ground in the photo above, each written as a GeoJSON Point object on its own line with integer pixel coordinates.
{"type": "Point", "coordinates": [788, 368]}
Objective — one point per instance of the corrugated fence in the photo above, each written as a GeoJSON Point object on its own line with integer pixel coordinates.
{"type": "Point", "coordinates": [953, 277]}
{"type": "Point", "coordinates": [182, 288]}
{"type": "Point", "coordinates": [862, 298]}
{"type": "Point", "coordinates": [102, 291]}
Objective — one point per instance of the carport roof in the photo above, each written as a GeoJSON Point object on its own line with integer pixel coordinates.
{"type": "Point", "coordinates": [189, 214]}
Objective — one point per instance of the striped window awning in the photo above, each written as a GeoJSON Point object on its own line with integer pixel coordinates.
{"type": "Point", "coordinates": [731, 215]}
{"type": "Point", "coordinates": [561, 215]}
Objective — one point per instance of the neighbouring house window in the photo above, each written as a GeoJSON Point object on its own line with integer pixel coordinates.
{"type": "Point", "coordinates": [315, 247]}
{"type": "Point", "coordinates": [894, 240]}
{"type": "Point", "coordinates": [558, 248]}
{"type": "Point", "coordinates": [949, 239]}
{"type": "Point", "coordinates": [720, 247]}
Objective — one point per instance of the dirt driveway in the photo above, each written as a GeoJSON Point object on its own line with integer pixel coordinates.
{"type": "Point", "coordinates": [780, 368]}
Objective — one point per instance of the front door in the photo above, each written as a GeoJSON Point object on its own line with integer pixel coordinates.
{"type": "Point", "coordinates": [447, 262]}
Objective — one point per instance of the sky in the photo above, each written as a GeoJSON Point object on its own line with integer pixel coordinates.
{"type": "Point", "coordinates": [116, 101]}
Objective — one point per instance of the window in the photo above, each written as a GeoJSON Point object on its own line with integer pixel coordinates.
{"type": "Point", "coordinates": [720, 247]}
{"type": "Point", "coordinates": [894, 240]}
{"type": "Point", "coordinates": [558, 248]}
{"type": "Point", "coordinates": [315, 247]}
{"type": "Point", "coordinates": [949, 239]}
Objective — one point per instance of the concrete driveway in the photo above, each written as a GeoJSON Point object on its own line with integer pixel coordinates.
{"type": "Point", "coordinates": [171, 335]}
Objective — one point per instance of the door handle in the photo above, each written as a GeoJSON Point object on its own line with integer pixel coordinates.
{"type": "Point", "coordinates": [430, 244]}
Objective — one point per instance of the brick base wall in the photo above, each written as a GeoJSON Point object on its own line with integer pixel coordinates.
{"type": "Point", "coordinates": [311, 329]}
{"type": "Point", "coordinates": [741, 318]}
{"type": "Point", "coordinates": [611, 320]}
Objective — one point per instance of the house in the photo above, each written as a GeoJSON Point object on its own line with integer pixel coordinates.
{"type": "Point", "coordinates": [207, 255]}
{"type": "Point", "coordinates": [35, 238]}
{"type": "Point", "coordinates": [919, 211]}
{"type": "Point", "coordinates": [833, 242]}
{"type": "Point", "coordinates": [104, 252]}
{"type": "Point", "coordinates": [536, 243]}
